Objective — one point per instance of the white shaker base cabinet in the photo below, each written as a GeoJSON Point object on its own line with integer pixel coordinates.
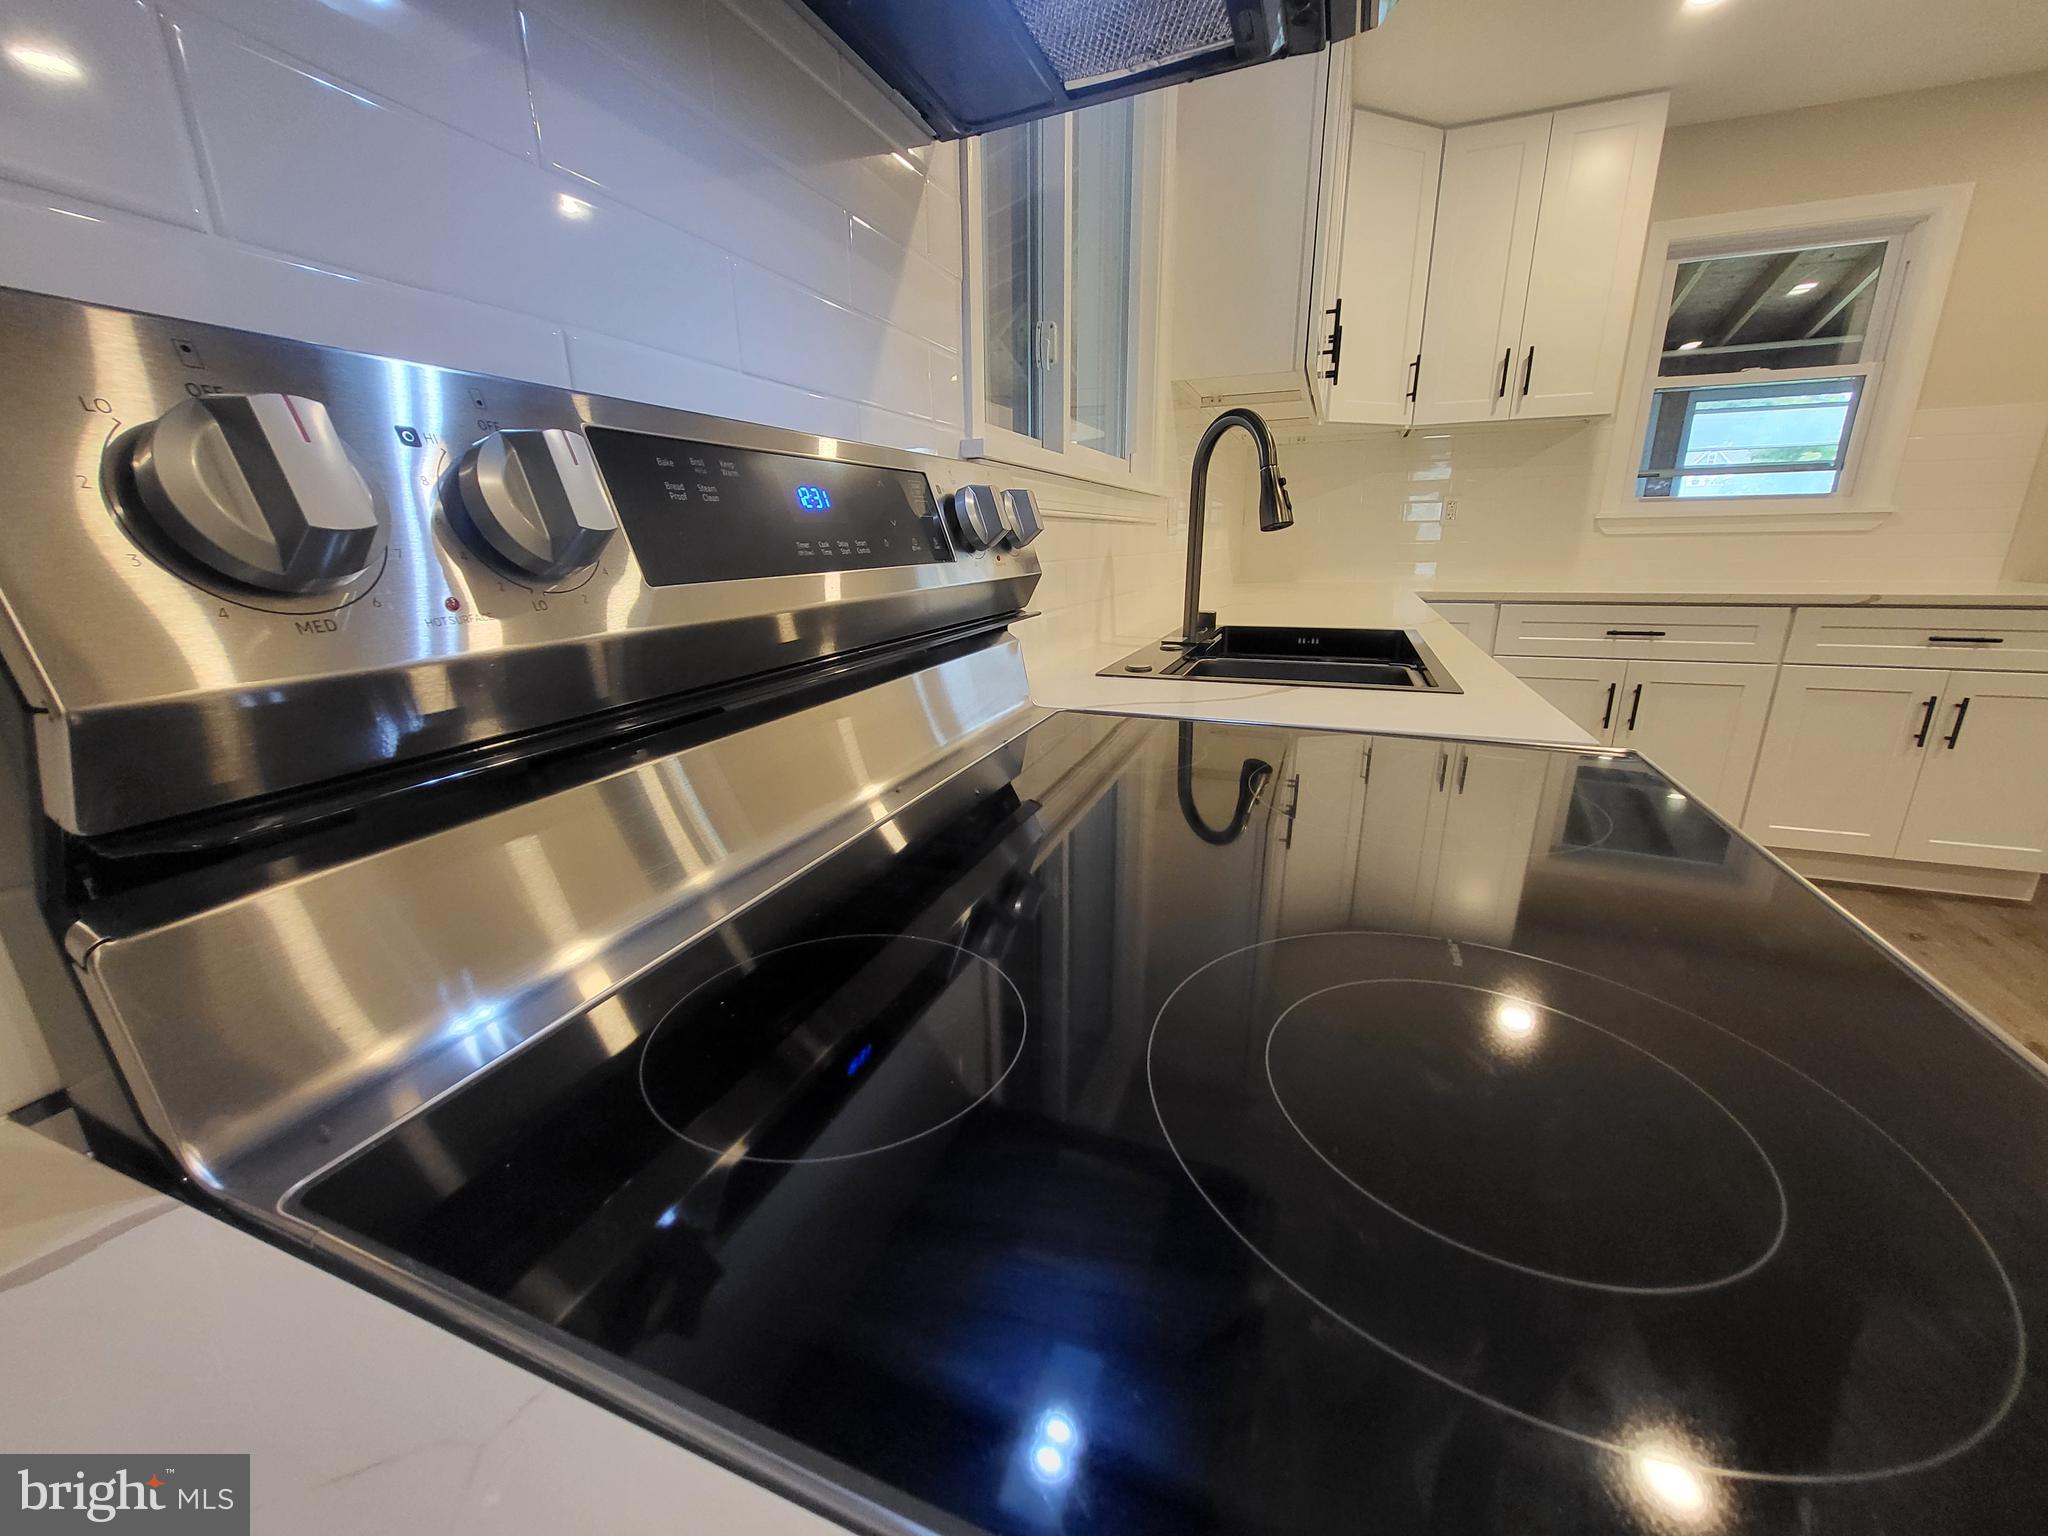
{"type": "Point", "coordinates": [1982, 796]}
{"type": "Point", "coordinates": [1698, 721]}
{"type": "Point", "coordinates": [1841, 757]}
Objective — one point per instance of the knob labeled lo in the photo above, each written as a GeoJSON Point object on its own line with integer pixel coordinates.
{"type": "Point", "coordinates": [259, 489]}
{"type": "Point", "coordinates": [536, 500]}
{"type": "Point", "coordinates": [1021, 522]}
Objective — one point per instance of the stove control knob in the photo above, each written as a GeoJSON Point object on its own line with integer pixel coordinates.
{"type": "Point", "coordinates": [260, 489]}
{"type": "Point", "coordinates": [1021, 521]}
{"type": "Point", "coordinates": [536, 501]}
{"type": "Point", "coordinates": [976, 518]}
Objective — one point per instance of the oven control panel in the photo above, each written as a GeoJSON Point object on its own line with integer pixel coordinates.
{"type": "Point", "coordinates": [239, 564]}
{"type": "Point", "coordinates": [699, 511]}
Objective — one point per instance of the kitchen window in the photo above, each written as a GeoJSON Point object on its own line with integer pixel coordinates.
{"type": "Point", "coordinates": [1063, 284]}
{"type": "Point", "coordinates": [1783, 364]}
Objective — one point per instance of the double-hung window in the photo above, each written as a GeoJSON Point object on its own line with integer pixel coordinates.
{"type": "Point", "coordinates": [1063, 282]}
{"type": "Point", "coordinates": [1780, 362]}
{"type": "Point", "coordinates": [1768, 358]}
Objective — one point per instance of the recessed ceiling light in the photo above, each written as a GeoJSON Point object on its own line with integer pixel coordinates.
{"type": "Point", "coordinates": [44, 62]}
{"type": "Point", "coordinates": [1701, 5]}
{"type": "Point", "coordinates": [1798, 288]}
{"type": "Point", "coordinates": [1687, 346]}
{"type": "Point", "coordinates": [571, 207]}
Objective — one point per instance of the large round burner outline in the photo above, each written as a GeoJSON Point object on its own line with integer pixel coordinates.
{"type": "Point", "coordinates": [1614, 1447]}
{"type": "Point", "coordinates": [676, 1008]}
{"type": "Point", "coordinates": [1610, 1287]}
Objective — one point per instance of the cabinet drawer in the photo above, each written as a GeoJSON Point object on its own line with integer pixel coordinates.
{"type": "Point", "coordinates": [1663, 633]}
{"type": "Point", "coordinates": [1474, 620]}
{"type": "Point", "coordinates": [1983, 639]}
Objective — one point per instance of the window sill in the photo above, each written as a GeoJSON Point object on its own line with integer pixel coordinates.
{"type": "Point", "coordinates": [1775, 517]}
{"type": "Point", "coordinates": [1106, 472]}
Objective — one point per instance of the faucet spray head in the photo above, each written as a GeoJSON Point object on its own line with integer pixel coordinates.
{"type": "Point", "coordinates": [1276, 507]}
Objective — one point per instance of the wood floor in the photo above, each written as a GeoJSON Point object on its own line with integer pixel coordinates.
{"type": "Point", "coordinates": [1992, 954]}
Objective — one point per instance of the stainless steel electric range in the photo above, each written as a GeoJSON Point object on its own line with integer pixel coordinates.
{"type": "Point", "coordinates": [593, 874]}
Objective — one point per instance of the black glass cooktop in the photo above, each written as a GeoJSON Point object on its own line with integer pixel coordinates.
{"type": "Point", "coordinates": [1186, 1129]}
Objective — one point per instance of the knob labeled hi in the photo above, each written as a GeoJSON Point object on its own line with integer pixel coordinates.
{"type": "Point", "coordinates": [536, 500]}
{"type": "Point", "coordinates": [260, 489]}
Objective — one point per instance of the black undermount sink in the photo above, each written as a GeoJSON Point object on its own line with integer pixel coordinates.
{"type": "Point", "coordinates": [1319, 658]}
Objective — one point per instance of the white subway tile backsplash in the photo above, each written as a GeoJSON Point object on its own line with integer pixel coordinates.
{"type": "Point", "coordinates": [943, 231]}
{"type": "Point", "coordinates": [88, 106]}
{"type": "Point", "coordinates": [801, 339]}
{"type": "Point", "coordinates": [455, 60]}
{"type": "Point", "coordinates": [607, 366]}
{"type": "Point", "coordinates": [600, 121]}
{"type": "Point", "coordinates": [904, 288]}
{"type": "Point", "coordinates": [766, 97]}
{"type": "Point", "coordinates": [377, 188]}
{"type": "Point", "coordinates": [57, 244]}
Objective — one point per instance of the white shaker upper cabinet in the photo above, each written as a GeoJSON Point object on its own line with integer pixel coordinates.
{"type": "Point", "coordinates": [1982, 799]}
{"type": "Point", "coordinates": [1389, 217]}
{"type": "Point", "coordinates": [1597, 182]}
{"type": "Point", "coordinates": [1487, 204]}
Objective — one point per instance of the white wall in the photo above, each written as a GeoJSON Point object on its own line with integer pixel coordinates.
{"type": "Point", "coordinates": [1972, 503]}
{"type": "Point", "coordinates": [681, 201]}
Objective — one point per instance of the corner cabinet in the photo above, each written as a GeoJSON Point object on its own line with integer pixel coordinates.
{"type": "Point", "coordinates": [1345, 266]}
{"type": "Point", "coordinates": [1539, 237]}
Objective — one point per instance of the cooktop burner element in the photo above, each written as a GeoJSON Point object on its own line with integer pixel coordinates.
{"type": "Point", "coordinates": [1450, 1142]}
{"type": "Point", "coordinates": [761, 1062]}
{"type": "Point", "coordinates": [1150, 1132]}
{"type": "Point", "coordinates": [1440, 1101]}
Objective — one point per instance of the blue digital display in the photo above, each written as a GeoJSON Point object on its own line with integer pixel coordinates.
{"type": "Point", "coordinates": [812, 498]}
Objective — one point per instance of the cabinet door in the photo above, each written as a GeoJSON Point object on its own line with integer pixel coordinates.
{"type": "Point", "coordinates": [1486, 211]}
{"type": "Point", "coordinates": [1401, 831]}
{"type": "Point", "coordinates": [1841, 755]}
{"type": "Point", "coordinates": [1597, 181]}
{"type": "Point", "coordinates": [1322, 788]}
{"type": "Point", "coordinates": [1982, 799]}
{"type": "Point", "coordinates": [1475, 621]}
{"type": "Point", "coordinates": [1701, 722]}
{"type": "Point", "coordinates": [1389, 216]}
{"type": "Point", "coordinates": [1587, 693]}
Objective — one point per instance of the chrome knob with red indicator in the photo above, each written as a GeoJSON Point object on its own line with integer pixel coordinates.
{"type": "Point", "coordinates": [259, 489]}
{"type": "Point", "coordinates": [536, 501]}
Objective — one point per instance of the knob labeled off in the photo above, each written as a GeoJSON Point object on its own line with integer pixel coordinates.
{"type": "Point", "coordinates": [260, 489]}
{"type": "Point", "coordinates": [536, 501]}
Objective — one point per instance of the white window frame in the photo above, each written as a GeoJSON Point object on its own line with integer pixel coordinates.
{"type": "Point", "coordinates": [1060, 453]}
{"type": "Point", "coordinates": [1924, 227]}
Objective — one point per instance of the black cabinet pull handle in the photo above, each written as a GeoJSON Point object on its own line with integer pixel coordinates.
{"type": "Point", "coordinates": [1635, 706]}
{"type": "Point", "coordinates": [1335, 350]}
{"type": "Point", "coordinates": [1962, 709]}
{"type": "Point", "coordinates": [1966, 639]}
{"type": "Point", "coordinates": [1926, 721]}
{"type": "Point", "coordinates": [1607, 715]}
{"type": "Point", "coordinates": [1528, 369]}
{"type": "Point", "coordinates": [1636, 634]}
{"type": "Point", "coordinates": [1443, 766]}
{"type": "Point", "coordinates": [1415, 378]}
{"type": "Point", "coordinates": [1500, 390]}
{"type": "Point", "coordinates": [1464, 762]}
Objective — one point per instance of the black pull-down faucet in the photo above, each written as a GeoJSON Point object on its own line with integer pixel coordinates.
{"type": "Point", "coordinates": [1276, 510]}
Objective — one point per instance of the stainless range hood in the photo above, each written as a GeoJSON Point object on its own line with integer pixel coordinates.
{"type": "Point", "coordinates": [969, 66]}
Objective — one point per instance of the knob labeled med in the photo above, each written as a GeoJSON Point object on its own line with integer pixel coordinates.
{"type": "Point", "coordinates": [259, 489]}
{"type": "Point", "coordinates": [977, 520]}
{"type": "Point", "coordinates": [1021, 522]}
{"type": "Point", "coordinates": [536, 500]}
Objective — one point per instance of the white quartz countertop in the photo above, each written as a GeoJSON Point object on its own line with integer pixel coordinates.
{"type": "Point", "coordinates": [2007, 594]}
{"type": "Point", "coordinates": [131, 1323]}
{"type": "Point", "coordinates": [1494, 705]}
